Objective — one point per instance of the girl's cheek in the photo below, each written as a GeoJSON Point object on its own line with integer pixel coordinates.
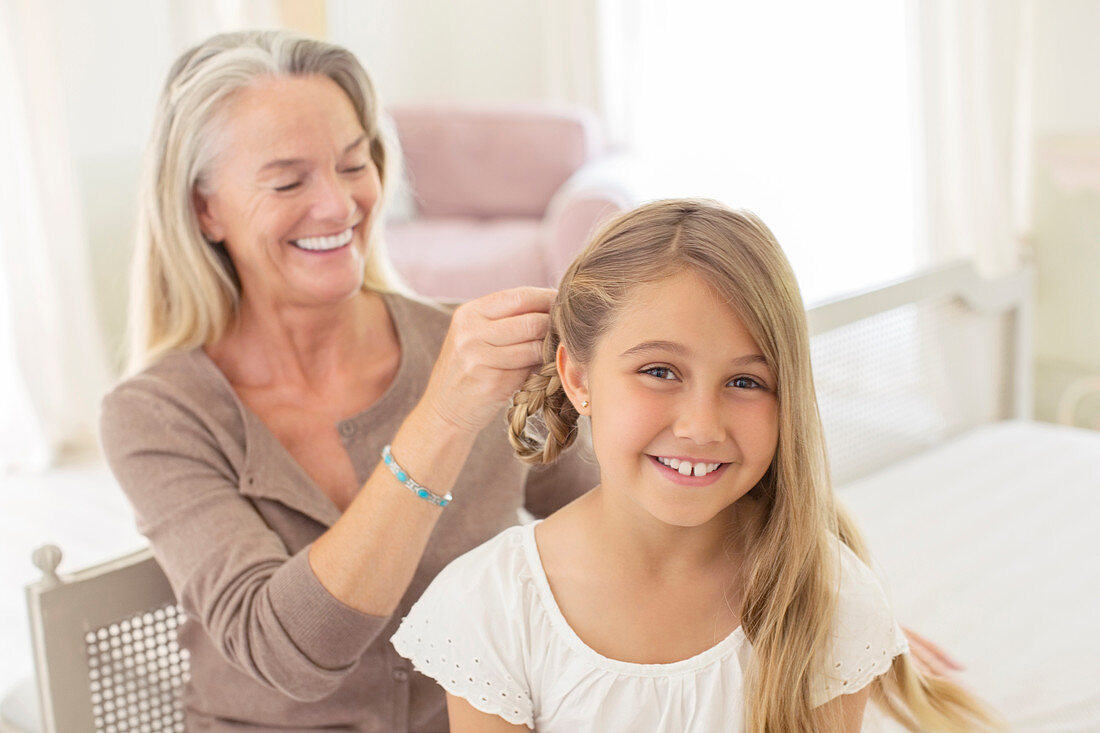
{"type": "Point", "coordinates": [629, 418]}
{"type": "Point", "coordinates": [629, 410]}
{"type": "Point", "coordinates": [759, 418]}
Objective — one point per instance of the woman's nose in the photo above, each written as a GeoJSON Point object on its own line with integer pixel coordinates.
{"type": "Point", "coordinates": [700, 419]}
{"type": "Point", "coordinates": [333, 199]}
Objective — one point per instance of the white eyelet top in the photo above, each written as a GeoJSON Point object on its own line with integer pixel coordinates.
{"type": "Point", "coordinates": [489, 630]}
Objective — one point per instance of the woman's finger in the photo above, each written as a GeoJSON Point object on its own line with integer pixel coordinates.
{"type": "Point", "coordinates": [516, 329]}
{"type": "Point", "coordinates": [934, 654]}
{"type": "Point", "coordinates": [524, 355]}
{"type": "Point", "coordinates": [513, 301]}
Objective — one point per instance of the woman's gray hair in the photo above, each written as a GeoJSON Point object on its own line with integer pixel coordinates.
{"type": "Point", "coordinates": [184, 289]}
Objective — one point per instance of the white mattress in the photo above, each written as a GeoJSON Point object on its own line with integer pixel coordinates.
{"type": "Point", "coordinates": [990, 545]}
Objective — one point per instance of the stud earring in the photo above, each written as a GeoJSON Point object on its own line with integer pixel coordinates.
{"type": "Point", "coordinates": [584, 404]}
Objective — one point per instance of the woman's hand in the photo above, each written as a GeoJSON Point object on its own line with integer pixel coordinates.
{"type": "Point", "coordinates": [491, 347]}
{"type": "Point", "coordinates": [929, 658]}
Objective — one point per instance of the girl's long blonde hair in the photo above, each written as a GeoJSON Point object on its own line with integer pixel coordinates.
{"type": "Point", "coordinates": [184, 291]}
{"type": "Point", "coordinates": [790, 592]}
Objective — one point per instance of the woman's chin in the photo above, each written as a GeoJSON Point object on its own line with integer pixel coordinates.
{"type": "Point", "coordinates": [328, 290]}
{"type": "Point", "coordinates": [334, 280]}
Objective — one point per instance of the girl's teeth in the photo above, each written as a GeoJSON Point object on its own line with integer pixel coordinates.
{"type": "Point", "coordinates": [687, 468]}
{"type": "Point", "coordinates": [325, 243]}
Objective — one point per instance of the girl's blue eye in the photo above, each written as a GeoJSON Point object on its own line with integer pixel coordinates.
{"type": "Point", "coordinates": [661, 372]}
{"type": "Point", "coordinates": [746, 383]}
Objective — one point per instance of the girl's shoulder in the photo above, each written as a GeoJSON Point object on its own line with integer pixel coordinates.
{"type": "Point", "coordinates": [865, 635]}
{"type": "Point", "coordinates": [182, 388]}
{"type": "Point", "coordinates": [493, 570]}
{"type": "Point", "coordinates": [474, 628]}
{"type": "Point", "coordinates": [861, 597]}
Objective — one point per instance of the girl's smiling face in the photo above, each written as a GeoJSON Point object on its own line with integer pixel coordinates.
{"type": "Point", "coordinates": [683, 405]}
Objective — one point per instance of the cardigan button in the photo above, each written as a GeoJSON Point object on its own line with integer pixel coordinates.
{"type": "Point", "coordinates": [400, 674]}
{"type": "Point", "coordinates": [347, 429]}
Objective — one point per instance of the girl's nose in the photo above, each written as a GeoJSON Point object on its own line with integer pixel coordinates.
{"type": "Point", "coordinates": [700, 420]}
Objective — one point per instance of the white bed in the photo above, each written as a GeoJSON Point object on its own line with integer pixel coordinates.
{"type": "Point", "coordinates": [989, 544]}
{"type": "Point", "coordinates": [984, 524]}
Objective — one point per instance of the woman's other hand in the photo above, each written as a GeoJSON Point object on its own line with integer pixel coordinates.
{"type": "Point", "coordinates": [490, 348]}
{"type": "Point", "coordinates": [929, 658]}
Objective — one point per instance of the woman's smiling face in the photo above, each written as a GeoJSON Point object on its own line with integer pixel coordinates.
{"type": "Point", "coordinates": [683, 404]}
{"type": "Point", "coordinates": [292, 191]}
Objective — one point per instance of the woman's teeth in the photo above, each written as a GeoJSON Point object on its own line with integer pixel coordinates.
{"type": "Point", "coordinates": [320, 244]}
{"type": "Point", "coordinates": [687, 468]}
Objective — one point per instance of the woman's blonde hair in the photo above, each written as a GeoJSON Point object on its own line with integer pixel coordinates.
{"type": "Point", "coordinates": [184, 289]}
{"type": "Point", "coordinates": [791, 582]}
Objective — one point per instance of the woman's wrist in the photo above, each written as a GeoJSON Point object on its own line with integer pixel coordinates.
{"type": "Point", "coordinates": [431, 449]}
{"type": "Point", "coordinates": [448, 417]}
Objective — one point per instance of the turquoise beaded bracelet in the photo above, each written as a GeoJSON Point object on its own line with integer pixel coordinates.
{"type": "Point", "coordinates": [404, 477]}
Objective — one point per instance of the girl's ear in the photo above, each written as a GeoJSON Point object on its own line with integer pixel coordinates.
{"type": "Point", "coordinates": [574, 380]}
{"type": "Point", "coordinates": [208, 222]}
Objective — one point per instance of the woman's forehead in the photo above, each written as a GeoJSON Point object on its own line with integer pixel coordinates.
{"type": "Point", "coordinates": [276, 112]}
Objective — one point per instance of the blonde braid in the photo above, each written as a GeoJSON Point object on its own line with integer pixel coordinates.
{"type": "Point", "coordinates": [542, 400]}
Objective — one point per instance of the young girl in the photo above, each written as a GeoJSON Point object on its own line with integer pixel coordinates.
{"type": "Point", "coordinates": [710, 582]}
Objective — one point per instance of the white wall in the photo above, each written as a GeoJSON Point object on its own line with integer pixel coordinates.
{"type": "Point", "coordinates": [1066, 114]}
{"type": "Point", "coordinates": [1067, 66]}
{"type": "Point", "coordinates": [474, 50]}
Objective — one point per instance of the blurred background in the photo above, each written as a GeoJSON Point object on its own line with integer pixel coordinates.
{"type": "Point", "coordinates": [876, 137]}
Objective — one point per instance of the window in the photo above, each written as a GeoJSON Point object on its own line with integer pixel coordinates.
{"type": "Point", "coordinates": [799, 111]}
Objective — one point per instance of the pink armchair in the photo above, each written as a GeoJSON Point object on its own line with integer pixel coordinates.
{"type": "Point", "coordinates": [503, 196]}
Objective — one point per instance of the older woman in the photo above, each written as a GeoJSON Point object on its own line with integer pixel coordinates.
{"type": "Point", "coordinates": [279, 359]}
{"type": "Point", "coordinates": [305, 446]}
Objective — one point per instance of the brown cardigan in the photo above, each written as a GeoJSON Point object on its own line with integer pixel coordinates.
{"type": "Point", "coordinates": [230, 516]}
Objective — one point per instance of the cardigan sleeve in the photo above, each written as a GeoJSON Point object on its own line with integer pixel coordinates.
{"type": "Point", "coordinates": [263, 607]}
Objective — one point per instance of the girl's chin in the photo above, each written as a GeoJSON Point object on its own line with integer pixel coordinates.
{"type": "Point", "coordinates": [679, 513]}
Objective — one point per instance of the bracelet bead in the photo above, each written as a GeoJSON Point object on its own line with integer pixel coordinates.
{"type": "Point", "coordinates": [407, 481]}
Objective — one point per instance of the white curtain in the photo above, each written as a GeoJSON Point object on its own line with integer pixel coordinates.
{"type": "Point", "coordinates": [974, 77]}
{"type": "Point", "coordinates": [52, 367]}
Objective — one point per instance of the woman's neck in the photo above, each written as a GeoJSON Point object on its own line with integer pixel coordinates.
{"type": "Point", "coordinates": [275, 344]}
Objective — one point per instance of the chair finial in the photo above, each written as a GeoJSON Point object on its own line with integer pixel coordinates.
{"type": "Point", "coordinates": [46, 558]}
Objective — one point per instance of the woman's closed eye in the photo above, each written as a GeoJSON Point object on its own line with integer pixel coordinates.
{"type": "Point", "coordinates": [286, 187]}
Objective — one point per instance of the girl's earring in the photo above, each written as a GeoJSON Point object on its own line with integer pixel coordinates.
{"type": "Point", "coordinates": [584, 404]}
